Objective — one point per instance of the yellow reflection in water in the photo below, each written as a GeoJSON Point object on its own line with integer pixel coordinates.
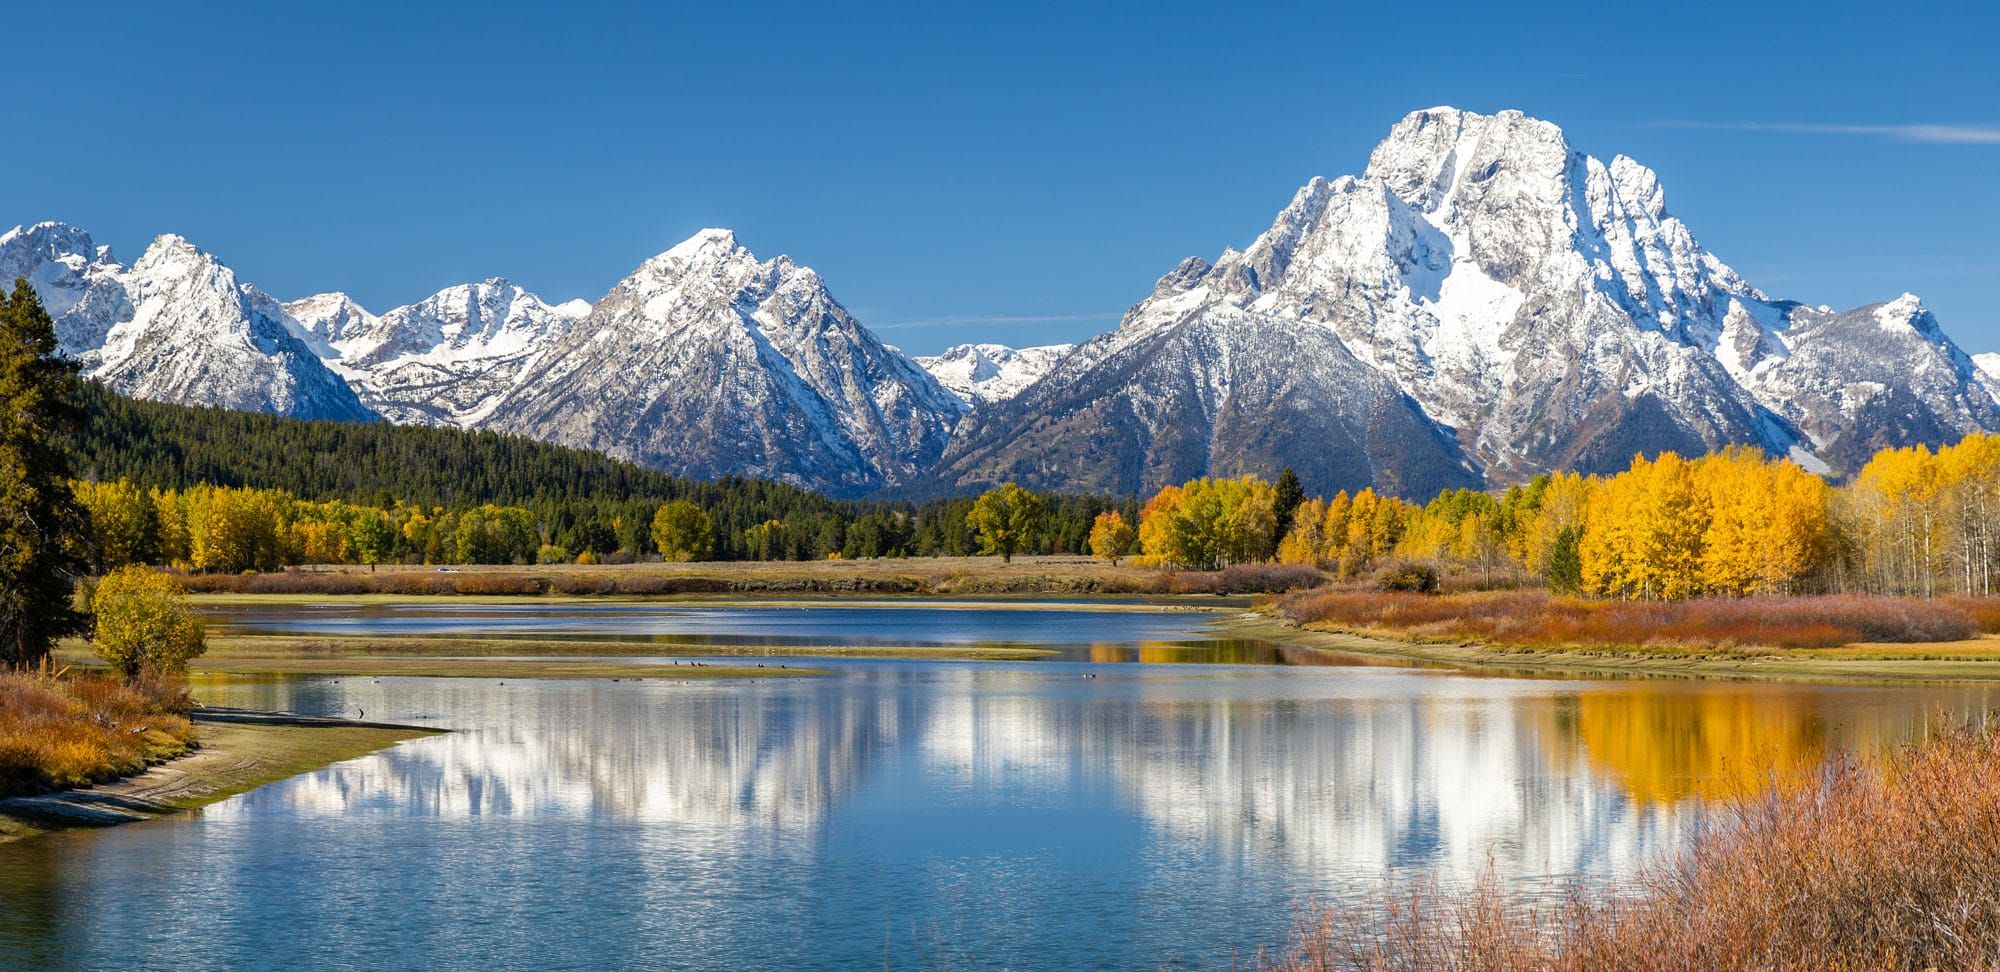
{"type": "Point", "coordinates": [1107, 653]}
{"type": "Point", "coordinates": [1667, 744]}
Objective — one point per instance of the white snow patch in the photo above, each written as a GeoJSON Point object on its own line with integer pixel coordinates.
{"type": "Point", "coordinates": [1897, 314]}
{"type": "Point", "coordinates": [1809, 462]}
{"type": "Point", "coordinates": [986, 373]}
{"type": "Point", "coordinates": [1472, 309]}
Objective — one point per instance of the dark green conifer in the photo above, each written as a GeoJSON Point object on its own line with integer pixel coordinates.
{"type": "Point", "coordinates": [43, 530]}
{"type": "Point", "coordinates": [1290, 495]}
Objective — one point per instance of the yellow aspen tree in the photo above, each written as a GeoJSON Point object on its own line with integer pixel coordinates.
{"type": "Point", "coordinates": [1308, 534]}
{"type": "Point", "coordinates": [1356, 550]}
{"type": "Point", "coordinates": [1610, 544]}
{"type": "Point", "coordinates": [1157, 526]}
{"type": "Point", "coordinates": [1736, 485]}
{"type": "Point", "coordinates": [1563, 504]}
{"type": "Point", "coordinates": [1339, 510]}
{"type": "Point", "coordinates": [1675, 509]}
{"type": "Point", "coordinates": [1971, 472]}
{"type": "Point", "coordinates": [1797, 541]}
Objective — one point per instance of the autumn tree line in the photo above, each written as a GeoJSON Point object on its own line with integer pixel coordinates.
{"type": "Point", "coordinates": [1912, 521]}
{"type": "Point", "coordinates": [211, 528]}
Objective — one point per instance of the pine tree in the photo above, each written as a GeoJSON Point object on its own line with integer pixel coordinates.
{"type": "Point", "coordinates": [1565, 570]}
{"type": "Point", "coordinates": [1290, 495]}
{"type": "Point", "coordinates": [44, 531]}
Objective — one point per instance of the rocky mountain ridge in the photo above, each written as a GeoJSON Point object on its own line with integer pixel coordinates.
{"type": "Point", "coordinates": [1481, 303]}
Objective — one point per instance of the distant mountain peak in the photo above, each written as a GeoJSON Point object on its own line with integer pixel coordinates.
{"type": "Point", "coordinates": [706, 361]}
{"type": "Point", "coordinates": [984, 374]}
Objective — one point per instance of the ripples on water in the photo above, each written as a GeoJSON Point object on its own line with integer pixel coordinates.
{"type": "Point", "coordinates": [907, 813]}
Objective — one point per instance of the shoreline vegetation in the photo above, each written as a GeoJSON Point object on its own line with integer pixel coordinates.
{"type": "Point", "coordinates": [965, 577]}
{"type": "Point", "coordinates": [1827, 638]}
{"type": "Point", "coordinates": [89, 750]}
{"type": "Point", "coordinates": [1512, 631]}
{"type": "Point", "coordinates": [233, 752]}
{"type": "Point", "coordinates": [1889, 863]}
{"type": "Point", "coordinates": [1972, 661]}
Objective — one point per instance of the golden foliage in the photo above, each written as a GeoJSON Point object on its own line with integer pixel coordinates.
{"type": "Point", "coordinates": [144, 623]}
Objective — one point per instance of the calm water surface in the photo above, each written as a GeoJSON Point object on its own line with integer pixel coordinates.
{"type": "Point", "coordinates": [903, 814]}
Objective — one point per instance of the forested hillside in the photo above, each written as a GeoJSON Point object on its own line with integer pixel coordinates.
{"type": "Point", "coordinates": [571, 500]}
{"type": "Point", "coordinates": [176, 446]}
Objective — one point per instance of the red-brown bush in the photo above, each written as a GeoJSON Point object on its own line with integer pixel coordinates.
{"type": "Point", "coordinates": [1539, 619]}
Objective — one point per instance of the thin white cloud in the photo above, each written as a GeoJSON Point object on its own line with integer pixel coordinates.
{"type": "Point", "coordinates": [968, 320]}
{"type": "Point", "coordinates": [1932, 134]}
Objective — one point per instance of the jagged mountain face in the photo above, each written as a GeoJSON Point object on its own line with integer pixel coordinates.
{"type": "Point", "coordinates": [982, 374]}
{"type": "Point", "coordinates": [323, 319]}
{"type": "Point", "coordinates": [1185, 389]}
{"type": "Point", "coordinates": [176, 326]}
{"type": "Point", "coordinates": [1870, 378]}
{"type": "Point", "coordinates": [79, 283]}
{"type": "Point", "coordinates": [446, 359]}
{"type": "Point", "coordinates": [1537, 306]}
{"type": "Point", "coordinates": [706, 361]}
{"type": "Point", "coordinates": [1538, 303]}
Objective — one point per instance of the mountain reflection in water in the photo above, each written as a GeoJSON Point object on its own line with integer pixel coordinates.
{"type": "Point", "coordinates": [921, 812]}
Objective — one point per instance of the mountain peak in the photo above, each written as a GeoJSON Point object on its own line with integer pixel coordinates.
{"type": "Point", "coordinates": [1907, 311]}
{"type": "Point", "coordinates": [52, 236]}
{"type": "Point", "coordinates": [708, 242]}
{"type": "Point", "coordinates": [1429, 155]}
{"type": "Point", "coordinates": [988, 373]}
{"type": "Point", "coordinates": [172, 250]}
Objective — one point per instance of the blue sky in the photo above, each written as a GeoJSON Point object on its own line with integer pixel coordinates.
{"type": "Point", "coordinates": [1010, 172]}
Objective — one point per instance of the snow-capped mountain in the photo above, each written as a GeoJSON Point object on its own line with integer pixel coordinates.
{"type": "Point", "coordinates": [175, 326]}
{"type": "Point", "coordinates": [1538, 307]}
{"type": "Point", "coordinates": [706, 361]}
{"type": "Point", "coordinates": [986, 373]}
{"type": "Point", "coordinates": [446, 359]}
{"type": "Point", "coordinates": [1481, 303]}
{"type": "Point", "coordinates": [1185, 389]}
{"type": "Point", "coordinates": [1988, 364]}
{"type": "Point", "coordinates": [79, 282]}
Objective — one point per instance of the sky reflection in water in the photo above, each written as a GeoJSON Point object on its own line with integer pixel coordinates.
{"type": "Point", "coordinates": [984, 814]}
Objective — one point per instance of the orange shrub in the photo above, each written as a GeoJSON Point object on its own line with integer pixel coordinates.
{"type": "Point", "coordinates": [57, 733]}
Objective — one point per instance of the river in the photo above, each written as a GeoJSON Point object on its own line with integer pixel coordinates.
{"type": "Point", "coordinates": [1154, 795]}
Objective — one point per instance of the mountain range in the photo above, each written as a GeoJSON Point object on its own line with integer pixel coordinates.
{"type": "Point", "coordinates": [1483, 302]}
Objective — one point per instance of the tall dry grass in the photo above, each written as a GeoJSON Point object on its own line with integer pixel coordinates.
{"type": "Point", "coordinates": [1538, 619]}
{"type": "Point", "coordinates": [57, 733]}
{"type": "Point", "coordinates": [1891, 864]}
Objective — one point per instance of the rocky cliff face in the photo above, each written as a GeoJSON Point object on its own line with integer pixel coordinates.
{"type": "Point", "coordinates": [445, 360]}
